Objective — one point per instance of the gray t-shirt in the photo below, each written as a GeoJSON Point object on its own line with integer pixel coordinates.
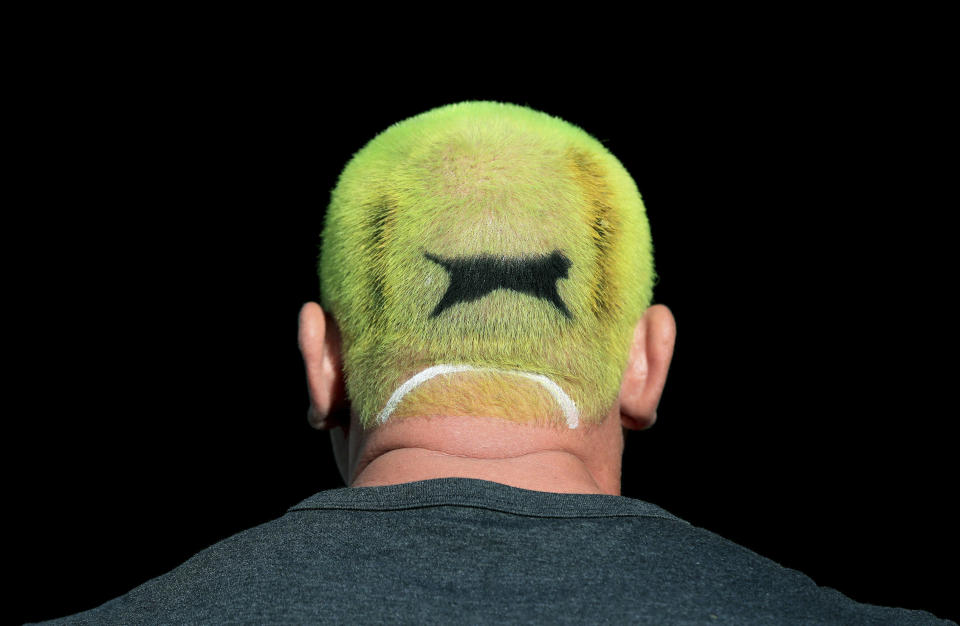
{"type": "Point", "coordinates": [461, 550]}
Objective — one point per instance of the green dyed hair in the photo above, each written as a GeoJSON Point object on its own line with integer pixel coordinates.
{"type": "Point", "coordinates": [496, 182]}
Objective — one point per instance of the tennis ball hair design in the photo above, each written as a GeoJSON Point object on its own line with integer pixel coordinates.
{"type": "Point", "coordinates": [489, 260]}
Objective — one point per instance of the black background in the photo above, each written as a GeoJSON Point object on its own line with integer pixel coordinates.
{"type": "Point", "coordinates": [169, 235]}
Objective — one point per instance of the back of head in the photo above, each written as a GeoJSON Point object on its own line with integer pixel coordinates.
{"type": "Point", "coordinates": [485, 259]}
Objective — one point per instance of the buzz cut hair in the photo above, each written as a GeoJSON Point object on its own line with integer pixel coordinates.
{"type": "Point", "coordinates": [485, 259]}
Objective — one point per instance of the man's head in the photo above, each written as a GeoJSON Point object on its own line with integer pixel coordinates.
{"type": "Point", "coordinates": [505, 249]}
{"type": "Point", "coordinates": [490, 266]}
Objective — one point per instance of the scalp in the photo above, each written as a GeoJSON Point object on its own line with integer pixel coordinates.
{"type": "Point", "coordinates": [485, 180]}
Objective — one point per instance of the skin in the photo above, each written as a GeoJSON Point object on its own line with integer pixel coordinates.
{"type": "Point", "coordinates": [561, 460]}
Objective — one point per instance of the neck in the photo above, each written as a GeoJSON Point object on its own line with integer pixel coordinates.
{"type": "Point", "coordinates": [586, 459]}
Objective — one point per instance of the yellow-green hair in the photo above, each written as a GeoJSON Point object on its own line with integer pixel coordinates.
{"type": "Point", "coordinates": [485, 183]}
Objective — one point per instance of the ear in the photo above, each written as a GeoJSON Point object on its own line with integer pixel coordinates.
{"type": "Point", "coordinates": [319, 339]}
{"type": "Point", "coordinates": [646, 373]}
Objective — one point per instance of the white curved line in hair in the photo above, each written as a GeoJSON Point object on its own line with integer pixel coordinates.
{"type": "Point", "coordinates": [566, 403]}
